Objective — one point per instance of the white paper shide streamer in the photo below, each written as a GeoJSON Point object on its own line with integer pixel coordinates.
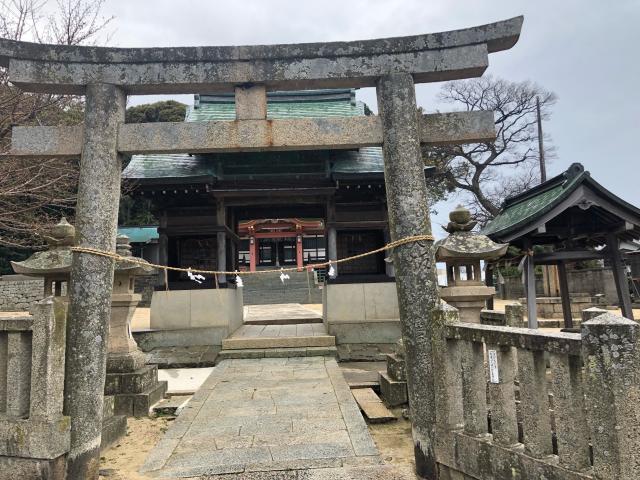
{"type": "Point", "coordinates": [283, 276]}
{"type": "Point", "coordinates": [195, 277]}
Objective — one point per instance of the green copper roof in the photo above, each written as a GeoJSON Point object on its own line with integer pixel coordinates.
{"type": "Point", "coordinates": [296, 104]}
{"type": "Point", "coordinates": [522, 209]}
{"type": "Point", "coordinates": [139, 234]}
{"type": "Point", "coordinates": [227, 111]}
{"type": "Point", "coordinates": [180, 165]}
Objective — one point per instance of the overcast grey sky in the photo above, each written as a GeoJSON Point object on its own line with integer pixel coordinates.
{"type": "Point", "coordinates": [586, 51]}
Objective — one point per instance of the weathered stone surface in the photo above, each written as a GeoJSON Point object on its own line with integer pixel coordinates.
{"type": "Point", "coordinates": [612, 356]}
{"type": "Point", "coordinates": [524, 338]}
{"type": "Point", "coordinates": [394, 392]}
{"type": "Point", "coordinates": [571, 429]}
{"type": "Point", "coordinates": [502, 401]}
{"type": "Point", "coordinates": [433, 57]}
{"type": "Point", "coordinates": [267, 414]}
{"type": "Point", "coordinates": [12, 468]}
{"type": "Point", "coordinates": [92, 277]}
{"type": "Point", "coordinates": [397, 367]}
{"type": "Point", "coordinates": [534, 401]}
{"type": "Point", "coordinates": [18, 292]}
{"type": "Point", "coordinates": [514, 315]}
{"type": "Point", "coordinates": [416, 278]}
{"type": "Point", "coordinates": [254, 135]}
{"type": "Point", "coordinates": [251, 102]}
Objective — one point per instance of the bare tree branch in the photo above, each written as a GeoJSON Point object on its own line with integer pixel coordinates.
{"type": "Point", "coordinates": [487, 173]}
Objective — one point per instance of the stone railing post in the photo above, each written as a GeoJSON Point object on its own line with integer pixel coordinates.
{"type": "Point", "coordinates": [415, 269]}
{"type": "Point", "coordinates": [534, 401]}
{"type": "Point", "coordinates": [611, 351]}
{"type": "Point", "coordinates": [514, 315]}
{"type": "Point", "coordinates": [92, 277]}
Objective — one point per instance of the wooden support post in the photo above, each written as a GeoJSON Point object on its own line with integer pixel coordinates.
{"type": "Point", "coordinates": [620, 276]}
{"type": "Point", "coordinates": [564, 295]}
{"type": "Point", "coordinates": [221, 220]}
{"type": "Point", "coordinates": [332, 246]}
{"type": "Point", "coordinates": [530, 287]}
{"type": "Point", "coordinates": [299, 251]}
{"type": "Point", "coordinates": [253, 253]}
{"type": "Point", "coordinates": [488, 280]}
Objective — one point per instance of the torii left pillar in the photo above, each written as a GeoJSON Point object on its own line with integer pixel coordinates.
{"type": "Point", "coordinates": [91, 281]}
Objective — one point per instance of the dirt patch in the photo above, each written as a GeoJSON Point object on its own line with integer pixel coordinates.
{"type": "Point", "coordinates": [125, 457]}
{"type": "Point", "coordinates": [394, 441]}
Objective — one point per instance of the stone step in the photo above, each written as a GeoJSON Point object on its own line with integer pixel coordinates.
{"type": "Point", "coordinates": [282, 321]}
{"type": "Point", "coordinates": [113, 429]}
{"type": "Point", "coordinates": [243, 343]}
{"type": "Point", "coordinates": [278, 353]}
{"type": "Point", "coordinates": [139, 404]}
{"type": "Point", "coordinates": [171, 406]}
{"type": "Point", "coordinates": [372, 407]}
{"type": "Point", "coordinates": [132, 382]}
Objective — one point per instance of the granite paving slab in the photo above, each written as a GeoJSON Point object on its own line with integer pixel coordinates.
{"type": "Point", "coordinates": [266, 415]}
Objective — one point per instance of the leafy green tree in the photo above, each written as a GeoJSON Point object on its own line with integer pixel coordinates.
{"type": "Point", "coordinates": [164, 111]}
{"type": "Point", "coordinates": [136, 210]}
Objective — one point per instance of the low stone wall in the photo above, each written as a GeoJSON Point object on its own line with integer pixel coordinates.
{"type": "Point", "coordinates": [588, 433]}
{"type": "Point", "coordinates": [363, 317]}
{"type": "Point", "coordinates": [19, 292]}
{"type": "Point", "coordinates": [193, 317]}
{"type": "Point", "coordinates": [551, 307]}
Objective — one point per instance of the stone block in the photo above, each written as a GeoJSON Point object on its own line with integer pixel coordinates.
{"type": "Point", "coordinates": [14, 468]}
{"type": "Point", "coordinates": [396, 367]}
{"type": "Point", "coordinates": [113, 429]}
{"type": "Point", "coordinates": [393, 392]}
{"type": "Point", "coordinates": [133, 382]}
{"type": "Point", "coordinates": [139, 404]}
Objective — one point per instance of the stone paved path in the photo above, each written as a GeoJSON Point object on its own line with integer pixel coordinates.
{"type": "Point", "coordinates": [288, 416]}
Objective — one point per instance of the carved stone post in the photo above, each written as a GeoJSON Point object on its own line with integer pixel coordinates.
{"type": "Point", "coordinates": [92, 277]}
{"type": "Point", "coordinates": [611, 353]}
{"type": "Point", "coordinates": [416, 278]}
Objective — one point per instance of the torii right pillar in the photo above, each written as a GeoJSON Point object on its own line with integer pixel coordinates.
{"type": "Point", "coordinates": [415, 269]}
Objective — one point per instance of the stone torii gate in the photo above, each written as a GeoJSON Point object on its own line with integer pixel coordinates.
{"type": "Point", "coordinates": [105, 76]}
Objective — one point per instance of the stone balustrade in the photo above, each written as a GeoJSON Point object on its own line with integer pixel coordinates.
{"type": "Point", "coordinates": [520, 403]}
{"type": "Point", "coordinates": [34, 433]}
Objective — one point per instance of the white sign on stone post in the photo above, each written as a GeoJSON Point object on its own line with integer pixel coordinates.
{"type": "Point", "coordinates": [494, 377]}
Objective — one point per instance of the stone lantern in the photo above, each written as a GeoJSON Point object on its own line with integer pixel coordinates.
{"type": "Point", "coordinates": [462, 251]}
{"type": "Point", "coordinates": [125, 361]}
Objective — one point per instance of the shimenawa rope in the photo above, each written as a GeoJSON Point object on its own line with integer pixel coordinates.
{"type": "Point", "coordinates": [137, 261]}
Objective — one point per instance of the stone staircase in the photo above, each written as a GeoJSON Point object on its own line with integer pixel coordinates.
{"type": "Point", "coordinates": [268, 289]}
{"type": "Point", "coordinates": [271, 339]}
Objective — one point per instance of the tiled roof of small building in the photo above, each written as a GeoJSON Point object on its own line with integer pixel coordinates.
{"type": "Point", "coordinates": [317, 103]}
{"type": "Point", "coordinates": [524, 208]}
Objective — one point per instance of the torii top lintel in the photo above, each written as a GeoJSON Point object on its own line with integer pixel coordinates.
{"type": "Point", "coordinates": [429, 58]}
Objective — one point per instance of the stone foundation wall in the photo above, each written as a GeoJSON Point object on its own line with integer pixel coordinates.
{"type": "Point", "coordinates": [592, 281]}
{"type": "Point", "coordinates": [363, 317]}
{"type": "Point", "coordinates": [19, 292]}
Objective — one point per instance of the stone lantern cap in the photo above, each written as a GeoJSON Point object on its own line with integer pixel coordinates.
{"type": "Point", "coordinates": [56, 259]}
{"type": "Point", "coordinates": [463, 244]}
